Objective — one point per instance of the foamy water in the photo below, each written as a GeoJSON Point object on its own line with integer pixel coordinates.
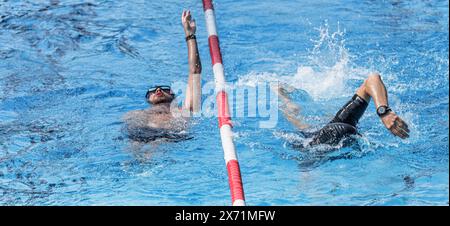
{"type": "Point", "coordinates": [325, 75]}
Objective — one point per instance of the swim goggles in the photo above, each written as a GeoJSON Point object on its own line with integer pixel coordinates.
{"type": "Point", "coordinates": [154, 88]}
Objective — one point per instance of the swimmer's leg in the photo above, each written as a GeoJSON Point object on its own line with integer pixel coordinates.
{"type": "Point", "coordinates": [290, 109]}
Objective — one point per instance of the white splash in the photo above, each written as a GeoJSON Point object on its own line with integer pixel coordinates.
{"type": "Point", "coordinates": [326, 73]}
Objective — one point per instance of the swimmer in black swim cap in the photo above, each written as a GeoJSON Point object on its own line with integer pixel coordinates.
{"type": "Point", "coordinates": [346, 119]}
{"type": "Point", "coordinates": [154, 122]}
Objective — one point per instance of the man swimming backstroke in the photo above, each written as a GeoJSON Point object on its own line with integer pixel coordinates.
{"type": "Point", "coordinates": [344, 123]}
{"type": "Point", "coordinates": [158, 121]}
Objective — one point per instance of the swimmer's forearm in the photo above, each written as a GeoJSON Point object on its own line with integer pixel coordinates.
{"type": "Point", "coordinates": [376, 89]}
{"type": "Point", "coordinates": [379, 95]}
{"type": "Point", "coordinates": [195, 66]}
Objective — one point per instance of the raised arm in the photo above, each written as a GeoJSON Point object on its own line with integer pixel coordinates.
{"type": "Point", "coordinates": [374, 87]}
{"type": "Point", "coordinates": [290, 109]}
{"type": "Point", "coordinates": [193, 90]}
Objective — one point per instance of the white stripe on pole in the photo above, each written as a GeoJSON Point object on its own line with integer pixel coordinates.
{"type": "Point", "coordinates": [227, 143]}
{"type": "Point", "coordinates": [210, 22]}
{"type": "Point", "coordinates": [239, 202]}
{"type": "Point", "coordinates": [219, 77]}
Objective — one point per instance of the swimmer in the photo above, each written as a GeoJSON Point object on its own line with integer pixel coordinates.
{"type": "Point", "coordinates": [158, 120]}
{"type": "Point", "coordinates": [346, 119]}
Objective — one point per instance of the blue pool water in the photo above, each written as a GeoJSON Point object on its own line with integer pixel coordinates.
{"type": "Point", "coordinates": [69, 70]}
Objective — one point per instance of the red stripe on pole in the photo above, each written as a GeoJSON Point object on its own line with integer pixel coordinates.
{"type": "Point", "coordinates": [223, 109]}
{"type": "Point", "coordinates": [214, 49]}
{"type": "Point", "coordinates": [234, 178]}
{"type": "Point", "coordinates": [207, 4]}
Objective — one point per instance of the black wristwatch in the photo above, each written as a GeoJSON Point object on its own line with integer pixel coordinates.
{"type": "Point", "coordinates": [191, 36]}
{"type": "Point", "coordinates": [383, 110]}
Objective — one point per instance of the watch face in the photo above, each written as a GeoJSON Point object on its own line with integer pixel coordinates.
{"type": "Point", "coordinates": [382, 110]}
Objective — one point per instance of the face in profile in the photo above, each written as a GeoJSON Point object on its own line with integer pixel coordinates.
{"type": "Point", "coordinates": [160, 94]}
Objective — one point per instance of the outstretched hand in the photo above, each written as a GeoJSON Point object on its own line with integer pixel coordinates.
{"type": "Point", "coordinates": [396, 125]}
{"type": "Point", "coordinates": [188, 23]}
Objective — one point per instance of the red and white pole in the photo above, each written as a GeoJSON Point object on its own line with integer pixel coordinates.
{"type": "Point", "coordinates": [234, 173]}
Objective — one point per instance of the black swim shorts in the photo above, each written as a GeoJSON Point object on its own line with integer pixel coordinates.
{"type": "Point", "coordinates": [343, 124]}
